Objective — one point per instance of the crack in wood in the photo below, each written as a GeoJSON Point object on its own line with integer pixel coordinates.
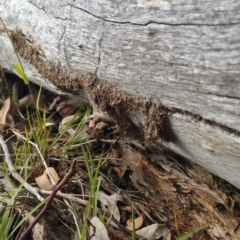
{"type": "Point", "coordinates": [147, 23]}
{"type": "Point", "coordinates": [152, 22]}
{"type": "Point", "coordinates": [99, 55]}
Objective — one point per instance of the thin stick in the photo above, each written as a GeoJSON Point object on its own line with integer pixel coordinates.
{"type": "Point", "coordinates": [69, 197]}
{"type": "Point", "coordinates": [74, 217]}
{"type": "Point", "coordinates": [15, 174]}
{"type": "Point", "coordinates": [49, 200]}
{"type": "Point", "coordinates": [176, 223]}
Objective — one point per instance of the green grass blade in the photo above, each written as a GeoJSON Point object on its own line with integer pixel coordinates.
{"type": "Point", "coordinates": [7, 216]}
{"type": "Point", "coordinates": [21, 72]}
{"type": "Point", "coordinates": [190, 234]}
{"type": "Point", "coordinates": [27, 216]}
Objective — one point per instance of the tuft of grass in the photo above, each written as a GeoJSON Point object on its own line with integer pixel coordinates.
{"type": "Point", "coordinates": [37, 132]}
{"type": "Point", "coordinates": [8, 216]}
{"type": "Point", "coordinates": [95, 185]}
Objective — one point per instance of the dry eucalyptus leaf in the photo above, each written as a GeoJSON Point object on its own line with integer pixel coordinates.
{"type": "Point", "coordinates": [155, 231]}
{"type": "Point", "coordinates": [109, 204]}
{"type": "Point", "coordinates": [66, 120]}
{"type": "Point", "coordinates": [68, 110]}
{"type": "Point", "coordinates": [68, 107]}
{"type": "Point", "coordinates": [64, 123]}
{"type": "Point", "coordinates": [44, 182]}
{"type": "Point", "coordinates": [148, 232]}
{"type": "Point", "coordinates": [163, 232]}
{"type": "Point", "coordinates": [100, 231]}
{"type": "Point", "coordinates": [138, 223]}
{"type": "Point", "coordinates": [3, 113]}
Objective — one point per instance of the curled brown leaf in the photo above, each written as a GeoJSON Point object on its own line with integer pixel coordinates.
{"type": "Point", "coordinates": [138, 223]}
{"type": "Point", "coordinates": [3, 113]}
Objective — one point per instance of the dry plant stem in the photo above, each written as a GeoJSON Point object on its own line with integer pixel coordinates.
{"type": "Point", "coordinates": [74, 217]}
{"type": "Point", "coordinates": [49, 200]}
{"type": "Point", "coordinates": [176, 222]}
{"type": "Point", "coordinates": [66, 196]}
{"type": "Point", "coordinates": [14, 173]}
{"type": "Point", "coordinates": [43, 161]}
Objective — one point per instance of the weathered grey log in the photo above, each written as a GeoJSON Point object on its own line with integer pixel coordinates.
{"type": "Point", "coordinates": [187, 55]}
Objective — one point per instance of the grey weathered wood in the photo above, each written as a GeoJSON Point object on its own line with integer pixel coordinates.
{"type": "Point", "coordinates": [187, 54]}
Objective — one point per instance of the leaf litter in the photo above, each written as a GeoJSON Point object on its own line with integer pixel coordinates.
{"type": "Point", "coordinates": [62, 127]}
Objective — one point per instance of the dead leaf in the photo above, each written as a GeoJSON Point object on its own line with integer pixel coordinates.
{"type": "Point", "coordinates": [3, 113]}
{"type": "Point", "coordinates": [68, 107]}
{"type": "Point", "coordinates": [100, 231]}
{"type": "Point", "coordinates": [148, 232]}
{"type": "Point", "coordinates": [44, 182]}
{"type": "Point", "coordinates": [138, 223]}
{"type": "Point", "coordinates": [68, 110]}
{"type": "Point", "coordinates": [120, 170]}
{"type": "Point", "coordinates": [65, 122]}
{"type": "Point", "coordinates": [109, 204]}
{"type": "Point", "coordinates": [155, 231]}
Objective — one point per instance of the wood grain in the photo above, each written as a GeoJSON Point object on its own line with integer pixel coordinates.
{"type": "Point", "coordinates": [186, 54]}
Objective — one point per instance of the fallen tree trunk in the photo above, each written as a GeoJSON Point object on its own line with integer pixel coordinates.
{"type": "Point", "coordinates": [167, 73]}
{"type": "Point", "coordinates": [186, 56]}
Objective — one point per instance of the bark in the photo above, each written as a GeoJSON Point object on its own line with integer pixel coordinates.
{"type": "Point", "coordinates": [186, 56]}
{"type": "Point", "coordinates": [166, 72]}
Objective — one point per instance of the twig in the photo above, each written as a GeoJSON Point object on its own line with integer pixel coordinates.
{"type": "Point", "coordinates": [74, 217]}
{"type": "Point", "coordinates": [14, 173]}
{"type": "Point", "coordinates": [66, 196]}
{"type": "Point", "coordinates": [176, 223]}
{"type": "Point", "coordinates": [49, 200]}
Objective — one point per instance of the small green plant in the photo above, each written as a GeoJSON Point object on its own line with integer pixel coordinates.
{"type": "Point", "coordinates": [21, 72]}
{"type": "Point", "coordinates": [95, 184]}
{"type": "Point", "coordinates": [9, 215]}
{"type": "Point", "coordinates": [38, 133]}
